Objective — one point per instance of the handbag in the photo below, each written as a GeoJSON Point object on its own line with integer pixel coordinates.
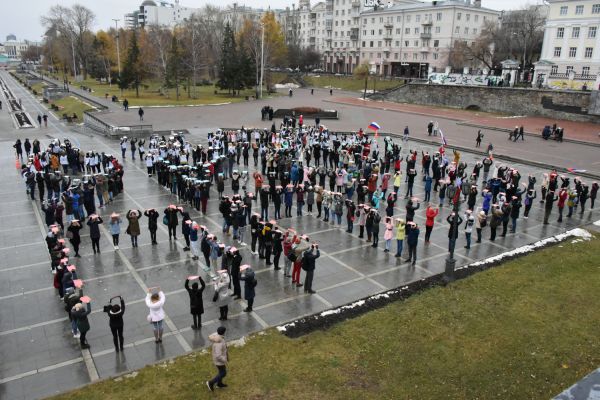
{"type": "Point", "coordinates": [215, 297]}
{"type": "Point", "coordinates": [166, 220]}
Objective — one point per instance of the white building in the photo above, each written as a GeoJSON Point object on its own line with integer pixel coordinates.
{"type": "Point", "coordinates": [571, 49]}
{"type": "Point", "coordinates": [160, 13]}
{"type": "Point", "coordinates": [13, 48]}
{"type": "Point", "coordinates": [402, 38]}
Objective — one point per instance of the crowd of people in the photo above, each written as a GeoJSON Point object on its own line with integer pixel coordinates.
{"type": "Point", "coordinates": [343, 179]}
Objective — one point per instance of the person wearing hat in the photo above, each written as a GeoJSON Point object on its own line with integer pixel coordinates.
{"type": "Point", "coordinates": [480, 223]}
{"type": "Point", "coordinates": [219, 357]}
{"type": "Point", "coordinates": [196, 302]}
{"type": "Point", "coordinates": [469, 222]}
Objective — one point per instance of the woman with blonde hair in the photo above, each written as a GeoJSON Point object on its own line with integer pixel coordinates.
{"type": "Point", "coordinates": [222, 296]}
{"type": "Point", "coordinates": [155, 300]}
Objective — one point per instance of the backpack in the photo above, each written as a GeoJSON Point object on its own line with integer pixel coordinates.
{"type": "Point", "coordinates": [292, 256]}
{"type": "Point", "coordinates": [305, 263]}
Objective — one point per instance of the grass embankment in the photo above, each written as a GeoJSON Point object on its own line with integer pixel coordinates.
{"type": "Point", "coordinates": [525, 330]}
{"type": "Point", "coordinates": [150, 94]}
{"type": "Point", "coordinates": [347, 83]}
{"type": "Point", "coordinates": [69, 105]}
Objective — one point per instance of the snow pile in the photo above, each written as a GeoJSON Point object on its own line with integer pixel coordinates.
{"type": "Point", "coordinates": [579, 233]}
{"type": "Point", "coordinates": [597, 223]}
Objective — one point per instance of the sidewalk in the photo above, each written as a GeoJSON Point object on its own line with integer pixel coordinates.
{"type": "Point", "coordinates": [580, 131]}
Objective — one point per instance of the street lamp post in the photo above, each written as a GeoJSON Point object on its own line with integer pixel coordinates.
{"type": "Point", "coordinates": [118, 51]}
{"type": "Point", "coordinates": [262, 59]}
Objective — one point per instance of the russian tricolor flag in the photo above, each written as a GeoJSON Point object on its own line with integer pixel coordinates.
{"type": "Point", "coordinates": [374, 126]}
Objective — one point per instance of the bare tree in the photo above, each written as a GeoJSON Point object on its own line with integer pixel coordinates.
{"type": "Point", "coordinates": [160, 42]}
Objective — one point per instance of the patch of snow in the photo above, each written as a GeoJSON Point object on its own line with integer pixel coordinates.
{"type": "Point", "coordinates": [577, 232]}
{"type": "Point", "coordinates": [286, 86]}
{"type": "Point", "coordinates": [131, 375]}
{"type": "Point", "coordinates": [239, 342]}
{"type": "Point", "coordinates": [597, 223]}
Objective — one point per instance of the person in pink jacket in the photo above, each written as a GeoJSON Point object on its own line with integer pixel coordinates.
{"type": "Point", "coordinates": [388, 234]}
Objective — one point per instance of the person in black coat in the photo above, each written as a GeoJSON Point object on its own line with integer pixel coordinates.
{"type": "Point", "coordinates": [196, 303]}
{"type": "Point", "coordinates": [236, 261]}
{"type": "Point", "coordinates": [453, 231]}
{"type": "Point", "coordinates": [172, 222]}
{"type": "Point", "coordinates": [185, 228]}
{"type": "Point", "coordinates": [115, 316]}
{"type": "Point", "coordinates": [308, 264]}
{"type": "Point", "coordinates": [94, 223]}
{"type": "Point", "coordinates": [250, 282]}
{"type": "Point", "coordinates": [152, 215]}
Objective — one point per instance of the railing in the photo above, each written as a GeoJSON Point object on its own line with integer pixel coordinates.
{"type": "Point", "coordinates": [427, 22]}
{"type": "Point", "coordinates": [426, 35]}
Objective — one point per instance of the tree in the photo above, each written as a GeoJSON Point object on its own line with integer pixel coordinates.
{"type": "Point", "coordinates": [227, 65]}
{"type": "Point", "coordinates": [73, 25]}
{"type": "Point", "coordinates": [32, 54]}
{"type": "Point", "coordinates": [175, 68]}
{"type": "Point", "coordinates": [132, 70]}
{"type": "Point", "coordinates": [363, 72]}
{"type": "Point", "coordinates": [274, 51]}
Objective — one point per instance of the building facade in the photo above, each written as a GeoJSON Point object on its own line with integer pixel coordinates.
{"type": "Point", "coordinates": [401, 38]}
{"type": "Point", "coordinates": [571, 48]}
{"type": "Point", "coordinates": [13, 48]}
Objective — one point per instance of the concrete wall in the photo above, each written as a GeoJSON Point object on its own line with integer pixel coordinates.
{"type": "Point", "coordinates": [569, 105]}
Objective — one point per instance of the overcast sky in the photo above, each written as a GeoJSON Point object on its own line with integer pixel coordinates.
{"type": "Point", "coordinates": [22, 17]}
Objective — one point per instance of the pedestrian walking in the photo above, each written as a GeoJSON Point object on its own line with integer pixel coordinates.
{"type": "Point", "coordinates": [45, 118]}
{"type": "Point", "coordinates": [196, 302]}
{"type": "Point", "coordinates": [141, 113]}
{"type": "Point", "coordinates": [115, 315]}
{"type": "Point", "coordinates": [478, 139]}
{"type": "Point", "coordinates": [155, 300]}
{"type": "Point", "coordinates": [219, 357]}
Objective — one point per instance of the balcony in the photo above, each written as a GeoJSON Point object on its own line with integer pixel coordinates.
{"type": "Point", "coordinates": [427, 22]}
{"type": "Point", "coordinates": [388, 25]}
{"type": "Point", "coordinates": [312, 15]}
{"type": "Point", "coordinates": [424, 50]}
{"type": "Point", "coordinates": [329, 16]}
{"type": "Point", "coordinates": [388, 36]}
{"type": "Point", "coordinates": [356, 4]}
{"type": "Point", "coordinates": [386, 50]}
{"type": "Point", "coordinates": [426, 35]}
{"type": "Point", "coordinates": [312, 39]}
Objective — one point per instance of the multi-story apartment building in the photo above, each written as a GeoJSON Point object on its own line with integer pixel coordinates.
{"type": "Point", "coordinates": [404, 38]}
{"type": "Point", "coordinates": [13, 48]}
{"type": "Point", "coordinates": [571, 46]}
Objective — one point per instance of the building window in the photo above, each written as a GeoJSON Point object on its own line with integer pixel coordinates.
{"type": "Point", "coordinates": [416, 31]}
{"type": "Point", "coordinates": [418, 18]}
{"type": "Point", "coordinates": [585, 71]}
{"type": "Point", "coordinates": [596, 9]}
{"type": "Point", "coordinates": [563, 10]}
{"type": "Point", "coordinates": [592, 32]}
{"type": "Point", "coordinates": [371, 43]}
{"type": "Point", "coordinates": [405, 56]}
{"type": "Point", "coordinates": [474, 31]}
{"type": "Point", "coordinates": [380, 20]}
{"type": "Point", "coordinates": [458, 15]}
{"type": "Point", "coordinates": [554, 69]}
{"type": "Point", "coordinates": [397, 31]}
{"type": "Point", "coordinates": [397, 43]}
{"type": "Point", "coordinates": [436, 43]}
{"type": "Point", "coordinates": [457, 29]}
{"type": "Point", "coordinates": [438, 29]}
{"type": "Point", "coordinates": [466, 30]}
{"type": "Point", "coordinates": [406, 43]}
{"type": "Point", "coordinates": [476, 17]}
{"type": "Point", "coordinates": [468, 17]}
{"type": "Point", "coordinates": [364, 22]}
{"type": "Point", "coordinates": [588, 52]}
{"type": "Point", "coordinates": [399, 19]}
{"type": "Point", "coordinates": [578, 10]}
{"type": "Point", "coordinates": [407, 30]}
{"type": "Point", "coordinates": [395, 56]}
{"type": "Point", "coordinates": [575, 32]}
{"type": "Point", "coordinates": [424, 56]}
{"type": "Point", "coordinates": [560, 32]}
{"type": "Point", "coordinates": [363, 44]}
{"type": "Point", "coordinates": [435, 56]}
{"type": "Point", "coordinates": [572, 52]}
{"type": "Point", "coordinates": [415, 56]}
{"type": "Point", "coordinates": [379, 43]}
{"type": "Point", "coordinates": [380, 31]}
{"type": "Point", "coordinates": [438, 16]}
{"type": "Point", "coordinates": [378, 55]}
{"type": "Point", "coordinates": [416, 43]}
{"type": "Point", "coordinates": [569, 69]}
{"type": "Point", "coordinates": [557, 51]}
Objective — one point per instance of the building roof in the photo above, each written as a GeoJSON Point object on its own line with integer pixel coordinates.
{"type": "Point", "coordinates": [426, 5]}
{"type": "Point", "coordinates": [149, 3]}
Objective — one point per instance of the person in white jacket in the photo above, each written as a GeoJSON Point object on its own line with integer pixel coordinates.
{"type": "Point", "coordinates": [220, 359]}
{"type": "Point", "coordinates": [154, 302]}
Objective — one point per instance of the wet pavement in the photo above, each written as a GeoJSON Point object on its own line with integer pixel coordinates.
{"type": "Point", "coordinates": [39, 355]}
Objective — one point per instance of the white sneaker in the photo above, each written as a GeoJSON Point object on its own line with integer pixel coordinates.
{"type": "Point", "coordinates": [76, 336]}
{"type": "Point", "coordinates": [116, 247]}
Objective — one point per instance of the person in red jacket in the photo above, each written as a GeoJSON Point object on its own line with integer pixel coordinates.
{"type": "Point", "coordinates": [258, 181]}
{"type": "Point", "coordinates": [562, 198]}
{"type": "Point", "coordinates": [430, 213]}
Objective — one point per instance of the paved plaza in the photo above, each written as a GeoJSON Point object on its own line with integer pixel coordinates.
{"type": "Point", "coordinates": [39, 355]}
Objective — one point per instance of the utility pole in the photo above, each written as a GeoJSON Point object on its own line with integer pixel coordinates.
{"type": "Point", "coordinates": [118, 51]}
{"type": "Point", "coordinates": [262, 59]}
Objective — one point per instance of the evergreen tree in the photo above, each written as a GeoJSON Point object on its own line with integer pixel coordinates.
{"type": "Point", "coordinates": [175, 69]}
{"type": "Point", "coordinates": [228, 64]}
{"type": "Point", "coordinates": [131, 74]}
{"type": "Point", "coordinates": [245, 70]}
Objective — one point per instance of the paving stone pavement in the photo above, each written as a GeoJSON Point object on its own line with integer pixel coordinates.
{"type": "Point", "coordinates": [39, 355]}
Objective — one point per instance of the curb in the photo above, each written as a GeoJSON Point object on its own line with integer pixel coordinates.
{"type": "Point", "coordinates": [459, 121]}
{"type": "Point", "coordinates": [495, 128]}
{"type": "Point", "coordinates": [328, 318]}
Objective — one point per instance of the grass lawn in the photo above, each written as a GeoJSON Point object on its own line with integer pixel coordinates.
{"type": "Point", "coordinates": [525, 330]}
{"type": "Point", "coordinates": [39, 88]}
{"type": "Point", "coordinates": [150, 95]}
{"type": "Point", "coordinates": [71, 104]}
{"type": "Point", "coordinates": [350, 83]}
